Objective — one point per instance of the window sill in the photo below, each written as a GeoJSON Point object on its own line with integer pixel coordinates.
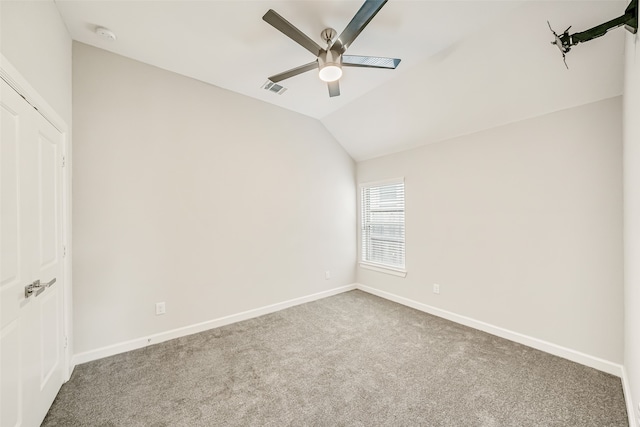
{"type": "Point", "coordinates": [383, 269]}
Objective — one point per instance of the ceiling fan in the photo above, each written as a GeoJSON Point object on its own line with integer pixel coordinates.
{"type": "Point", "coordinates": [330, 61]}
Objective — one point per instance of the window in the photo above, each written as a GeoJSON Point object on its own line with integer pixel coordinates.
{"type": "Point", "coordinates": [382, 225]}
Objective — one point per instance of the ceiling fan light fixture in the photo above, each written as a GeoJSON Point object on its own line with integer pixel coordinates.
{"type": "Point", "coordinates": [329, 63]}
{"type": "Point", "coordinates": [330, 73]}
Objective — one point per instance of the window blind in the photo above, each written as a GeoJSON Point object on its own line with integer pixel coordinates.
{"type": "Point", "coordinates": [382, 224]}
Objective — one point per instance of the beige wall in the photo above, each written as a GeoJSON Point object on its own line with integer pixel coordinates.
{"type": "Point", "coordinates": [36, 42]}
{"type": "Point", "coordinates": [521, 226]}
{"type": "Point", "coordinates": [186, 193]}
{"type": "Point", "coordinates": [632, 219]}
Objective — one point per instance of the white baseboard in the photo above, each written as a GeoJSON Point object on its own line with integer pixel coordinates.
{"type": "Point", "coordinates": [626, 389]}
{"type": "Point", "coordinates": [567, 353]}
{"type": "Point", "coordinates": [556, 350]}
{"type": "Point", "coordinates": [134, 344]}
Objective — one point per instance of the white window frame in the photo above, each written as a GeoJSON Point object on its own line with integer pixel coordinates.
{"type": "Point", "coordinates": [396, 270]}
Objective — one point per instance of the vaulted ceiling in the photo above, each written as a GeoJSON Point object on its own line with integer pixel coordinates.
{"type": "Point", "coordinates": [466, 65]}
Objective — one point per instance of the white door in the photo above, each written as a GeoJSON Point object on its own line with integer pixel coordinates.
{"type": "Point", "coordinates": [31, 327]}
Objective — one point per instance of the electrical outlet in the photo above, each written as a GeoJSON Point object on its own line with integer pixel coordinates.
{"type": "Point", "coordinates": [327, 275]}
{"type": "Point", "coordinates": [160, 308]}
{"type": "Point", "coordinates": [436, 288]}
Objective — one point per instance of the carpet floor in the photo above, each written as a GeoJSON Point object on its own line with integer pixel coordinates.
{"type": "Point", "coordinates": [349, 360]}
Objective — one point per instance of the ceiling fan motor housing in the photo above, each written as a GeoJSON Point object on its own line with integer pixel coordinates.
{"type": "Point", "coordinates": [329, 57]}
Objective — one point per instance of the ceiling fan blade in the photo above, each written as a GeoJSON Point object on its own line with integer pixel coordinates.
{"type": "Point", "coordinates": [294, 71]}
{"type": "Point", "coordinates": [366, 13]}
{"type": "Point", "coordinates": [287, 28]}
{"type": "Point", "coordinates": [334, 88]}
{"type": "Point", "coordinates": [369, 61]}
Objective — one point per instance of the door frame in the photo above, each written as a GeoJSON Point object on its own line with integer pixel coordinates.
{"type": "Point", "coordinates": [13, 78]}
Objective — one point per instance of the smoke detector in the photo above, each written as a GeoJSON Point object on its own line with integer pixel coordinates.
{"type": "Point", "coordinates": [106, 33]}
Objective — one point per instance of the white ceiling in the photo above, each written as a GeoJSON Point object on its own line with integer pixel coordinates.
{"type": "Point", "coordinates": [466, 65]}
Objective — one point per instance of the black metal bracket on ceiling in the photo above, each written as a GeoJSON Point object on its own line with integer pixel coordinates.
{"type": "Point", "coordinates": [566, 41]}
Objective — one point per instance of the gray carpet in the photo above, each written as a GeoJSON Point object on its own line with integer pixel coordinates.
{"type": "Point", "coordinates": [349, 360]}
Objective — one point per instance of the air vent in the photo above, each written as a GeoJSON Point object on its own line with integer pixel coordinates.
{"type": "Point", "coordinates": [274, 87]}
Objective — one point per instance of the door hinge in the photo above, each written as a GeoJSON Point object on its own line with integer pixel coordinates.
{"type": "Point", "coordinates": [66, 342]}
{"type": "Point", "coordinates": [64, 251]}
{"type": "Point", "coordinates": [64, 161]}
